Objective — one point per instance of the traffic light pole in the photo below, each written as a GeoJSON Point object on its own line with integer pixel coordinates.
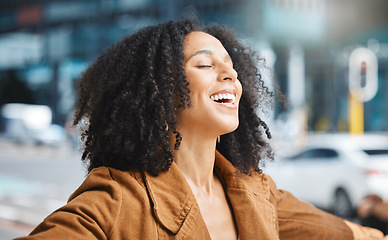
{"type": "Point", "coordinates": [356, 115]}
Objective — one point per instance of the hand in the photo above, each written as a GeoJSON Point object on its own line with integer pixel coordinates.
{"type": "Point", "coordinates": [366, 207]}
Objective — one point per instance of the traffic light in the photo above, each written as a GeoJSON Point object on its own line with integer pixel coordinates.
{"type": "Point", "coordinates": [363, 86]}
{"type": "Point", "coordinates": [363, 82]}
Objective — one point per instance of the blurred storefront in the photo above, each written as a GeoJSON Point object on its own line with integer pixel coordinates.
{"type": "Point", "coordinates": [46, 44]}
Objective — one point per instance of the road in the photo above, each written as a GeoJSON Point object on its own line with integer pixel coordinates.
{"type": "Point", "coordinates": [34, 181]}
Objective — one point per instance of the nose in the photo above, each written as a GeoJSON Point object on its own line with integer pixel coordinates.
{"type": "Point", "coordinates": [227, 73]}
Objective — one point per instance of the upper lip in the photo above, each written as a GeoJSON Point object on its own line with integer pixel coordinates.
{"type": "Point", "coordinates": [230, 91]}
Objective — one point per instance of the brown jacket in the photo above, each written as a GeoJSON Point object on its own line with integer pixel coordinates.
{"type": "Point", "coordinates": [111, 204]}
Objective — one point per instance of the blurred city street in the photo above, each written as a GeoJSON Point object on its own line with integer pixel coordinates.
{"type": "Point", "coordinates": [326, 62]}
{"type": "Point", "coordinates": [34, 181]}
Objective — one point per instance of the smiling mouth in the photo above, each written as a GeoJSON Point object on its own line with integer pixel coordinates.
{"type": "Point", "coordinates": [223, 98]}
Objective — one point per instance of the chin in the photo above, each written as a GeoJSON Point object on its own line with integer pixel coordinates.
{"type": "Point", "coordinates": [230, 128]}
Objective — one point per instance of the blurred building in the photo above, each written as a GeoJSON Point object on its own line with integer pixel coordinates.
{"type": "Point", "coordinates": [46, 44]}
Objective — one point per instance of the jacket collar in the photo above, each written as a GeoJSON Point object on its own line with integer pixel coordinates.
{"type": "Point", "coordinates": [250, 197]}
{"type": "Point", "coordinates": [254, 183]}
{"type": "Point", "coordinates": [173, 199]}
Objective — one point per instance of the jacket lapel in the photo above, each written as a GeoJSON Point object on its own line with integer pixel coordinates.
{"type": "Point", "coordinates": [249, 196]}
{"type": "Point", "coordinates": [171, 197]}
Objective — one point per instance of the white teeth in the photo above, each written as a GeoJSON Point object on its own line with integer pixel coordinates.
{"type": "Point", "coordinates": [233, 98]}
{"type": "Point", "coordinates": [220, 96]}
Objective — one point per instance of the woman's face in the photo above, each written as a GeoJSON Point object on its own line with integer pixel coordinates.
{"type": "Point", "coordinates": [215, 89]}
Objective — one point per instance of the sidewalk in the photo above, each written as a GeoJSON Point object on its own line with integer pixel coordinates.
{"type": "Point", "coordinates": [34, 181]}
{"type": "Point", "coordinates": [30, 149]}
{"type": "Point", "coordinates": [11, 229]}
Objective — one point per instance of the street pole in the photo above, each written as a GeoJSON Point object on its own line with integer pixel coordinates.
{"type": "Point", "coordinates": [356, 115]}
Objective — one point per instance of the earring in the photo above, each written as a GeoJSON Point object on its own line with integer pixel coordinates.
{"type": "Point", "coordinates": [165, 122]}
{"type": "Point", "coordinates": [218, 139]}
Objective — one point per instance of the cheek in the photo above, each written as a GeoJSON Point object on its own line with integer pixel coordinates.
{"type": "Point", "coordinates": [239, 88]}
{"type": "Point", "coordinates": [198, 83]}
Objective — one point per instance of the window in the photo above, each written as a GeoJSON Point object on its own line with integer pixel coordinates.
{"type": "Point", "coordinates": [373, 152]}
{"type": "Point", "coordinates": [317, 153]}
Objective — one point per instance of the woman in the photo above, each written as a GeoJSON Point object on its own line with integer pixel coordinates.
{"type": "Point", "coordinates": [155, 105]}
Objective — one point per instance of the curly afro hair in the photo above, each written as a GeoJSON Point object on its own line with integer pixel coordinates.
{"type": "Point", "coordinates": [130, 96]}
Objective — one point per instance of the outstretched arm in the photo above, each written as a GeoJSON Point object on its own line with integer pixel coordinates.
{"type": "Point", "coordinates": [300, 220]}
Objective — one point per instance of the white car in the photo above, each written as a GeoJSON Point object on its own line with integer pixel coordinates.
{"type": "Point", "coordinates": [335, 172]}
{"type": "Point", "coordinates": [30, 122]}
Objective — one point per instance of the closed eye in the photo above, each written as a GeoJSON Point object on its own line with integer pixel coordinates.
{"type": "Point", "coordinates": [205, 66]}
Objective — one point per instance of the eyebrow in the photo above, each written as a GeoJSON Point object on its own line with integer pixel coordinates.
{"type": "Point", "coordinates": [206, 52]}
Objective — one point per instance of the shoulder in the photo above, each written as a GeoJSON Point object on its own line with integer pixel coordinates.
{"type": "Point", "coordinates": [259, 185]}
{"type": "Point", "coordinates": [261, 182]}
{"type": "Point", "coordinates": [106, 201]}
{"type": "Point", "coordinates": [106, 195]}
{"type": "Point", "coordinates": [109, 183]}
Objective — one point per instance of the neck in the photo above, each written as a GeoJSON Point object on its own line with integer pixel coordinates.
{"type": "Point", "coordinates": [196, 158]}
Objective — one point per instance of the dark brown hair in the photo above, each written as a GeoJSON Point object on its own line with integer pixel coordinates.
{"type": "Point", "coordinates": [130, 95]}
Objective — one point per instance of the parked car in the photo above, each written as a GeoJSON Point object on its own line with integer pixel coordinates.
{"type": "Point", "coordinates": [31, 123]}
{"type": "Point", "coordinates": [335, 172]}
